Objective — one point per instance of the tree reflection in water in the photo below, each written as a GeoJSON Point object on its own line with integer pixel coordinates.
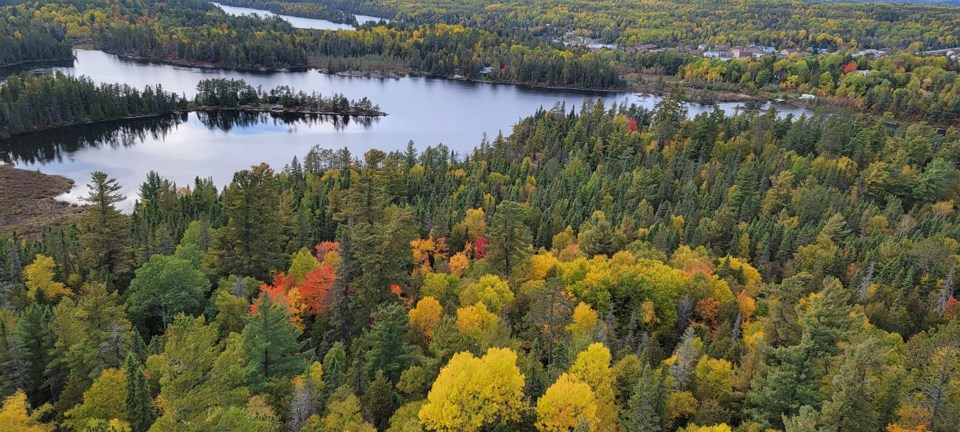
{"type": "Point", "coordinates": [52, 146]}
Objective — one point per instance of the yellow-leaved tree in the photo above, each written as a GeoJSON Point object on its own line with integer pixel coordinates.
{"type": "Point", "coordinates": [474, 320]}
{"type": "Point", "coordinates": [14, 416]}
{"type": "Point", "coordinates": [491, 290]}
{"type": "Point", "coordinates": [38, 276]}
{"type": "Point", "coordinates": [593, 368]}
{"type": "Point", "coordinates": [103, 402]}
{"type": "Point", "coordinates": [459, 263]}
{"type": "Point", "coordinates": [425, 317]}
{"type": "Point", "coordinates": [569, 404]}
{"type": "Point", "coordinates": [471, 393]}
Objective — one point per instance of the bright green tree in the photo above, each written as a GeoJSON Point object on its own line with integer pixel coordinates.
{"type": "Point", "coordinates": [166, 286]}
{"type": "Point", "coordinates": [271, 344]}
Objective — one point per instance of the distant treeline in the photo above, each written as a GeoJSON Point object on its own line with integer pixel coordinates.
{"type": "Point", "coordinates": [296, 8]}
{"type": "Point", "coordinates": [24, 39]}
{"type": "Point", "coordinates": [35, 102]}
{"type": "Point", "coordinates": [446, 50]}
{"type": "Point", "coordinates": [177, 31]}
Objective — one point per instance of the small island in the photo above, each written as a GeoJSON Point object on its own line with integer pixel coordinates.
{"type": "Point", "coordinates": [234, 94]}
{"type": "Point", "coordinates": [30, 103]}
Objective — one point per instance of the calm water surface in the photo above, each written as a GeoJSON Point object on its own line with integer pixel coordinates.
{"type": "Point", "coordinates": [427, 111]}
{"type": "Point", "coordinates": [298, 22]}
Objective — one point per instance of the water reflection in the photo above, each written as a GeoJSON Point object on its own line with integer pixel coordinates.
{"type": "Point", "coordinates": [55, 145]}
{"type": "Point", "coordinates": [226, 121]}
{"type": "Point", "coordinates": [39, 66]}
{"type": "Point", "coordinates": [59, 145]}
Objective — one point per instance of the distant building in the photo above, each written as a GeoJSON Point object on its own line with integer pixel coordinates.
{"type": "Point", "coordinates": [869, 53]}
{"type": "Point", "coordinates": [487, 70]}
{"type": "Point", "coordinates": [719, 55]}
{"type": "Point", "coordinates": [642, 48]}
{"type": "Point", "coordinates": [599, 46]}
{"type": "Point", "coordinates": [807, 96]}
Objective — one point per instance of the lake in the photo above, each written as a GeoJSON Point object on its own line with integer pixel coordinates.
{"type": "Point", "coordinates": [426, 110]}
{"type": "Point", "coordinates": [298, 22]}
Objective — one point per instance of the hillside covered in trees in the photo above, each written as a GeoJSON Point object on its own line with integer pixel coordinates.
{"type": "Point", "coordinates": [26, 40]}
{"type": "Point", "coordinates": [610, 268]}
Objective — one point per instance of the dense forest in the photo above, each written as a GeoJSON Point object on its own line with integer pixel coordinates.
{"type": "Point", "coordinates": [532, 44]}
{"type": "Point", "coordinates": [601, 269]}
{"type": "Point", "coordinates": [604, 268]}
{"type": "Point", "coordinates": [781, 23]}
{"type": "Point", "coordinates": [914, 87]}
{"type": "Point", "coordinates": [178, 31]}
{"type": "Point", "coordinates": [31, 102]}
{"type": "Point", "coordinates": [24, 39]}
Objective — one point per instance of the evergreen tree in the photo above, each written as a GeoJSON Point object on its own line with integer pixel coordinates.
{"type": "Point", "coordinates": [788, 384]}
{"type": "Point", "coordinates": [642, 414]}
{"type": "Point", "coordinates": [251, 243]}
{"type": "Point", "coordinates": [140, 413]}
{"type": "Point", "coordinates": [105, 243]}
{"type": "Point", "coordinates": [388, 352]}
{"type": "Point", "coordinates": [380, 400]}
{"type": "Point", "coordinates": [509, 237]}
{"type": "Point", "coordinates": [334, 365]}
{"type": "Point", "coordinates": [272, 345]}
{"type": "Point", "coordinates": [31, 353]}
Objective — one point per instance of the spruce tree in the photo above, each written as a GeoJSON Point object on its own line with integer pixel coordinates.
{"type": "Point", "coordinates": [641, 414]}
{"type": "Point", "coordinates": [272, 345]}
{"type": "Point", "coordinates": [388, 352]}
{"type": "Point", "coordinates": [509, 237]}
{"type": "Point", "coordinates": [140, 413]}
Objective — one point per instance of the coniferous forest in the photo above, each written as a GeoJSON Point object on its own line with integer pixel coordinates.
{"type": "Point", "coordinates": [603, 267]}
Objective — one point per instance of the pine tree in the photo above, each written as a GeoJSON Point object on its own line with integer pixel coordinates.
{"type": "Point", "coordinates": [252, 242]}
{"type": "Point", "coordinates": [106, 251]}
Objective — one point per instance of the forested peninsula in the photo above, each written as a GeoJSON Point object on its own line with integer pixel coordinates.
{"type": "Point", "coordinates": [31, 102]}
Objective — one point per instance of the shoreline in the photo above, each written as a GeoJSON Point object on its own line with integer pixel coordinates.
{"type": "Point", "coordinates": [261, 110]}
{"type": "Point", "coordinates": [722, 96]}
{"type": "Point", "coordinates": [35, 62]}
{"type": "Point", "coordinates": [350, 73]}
